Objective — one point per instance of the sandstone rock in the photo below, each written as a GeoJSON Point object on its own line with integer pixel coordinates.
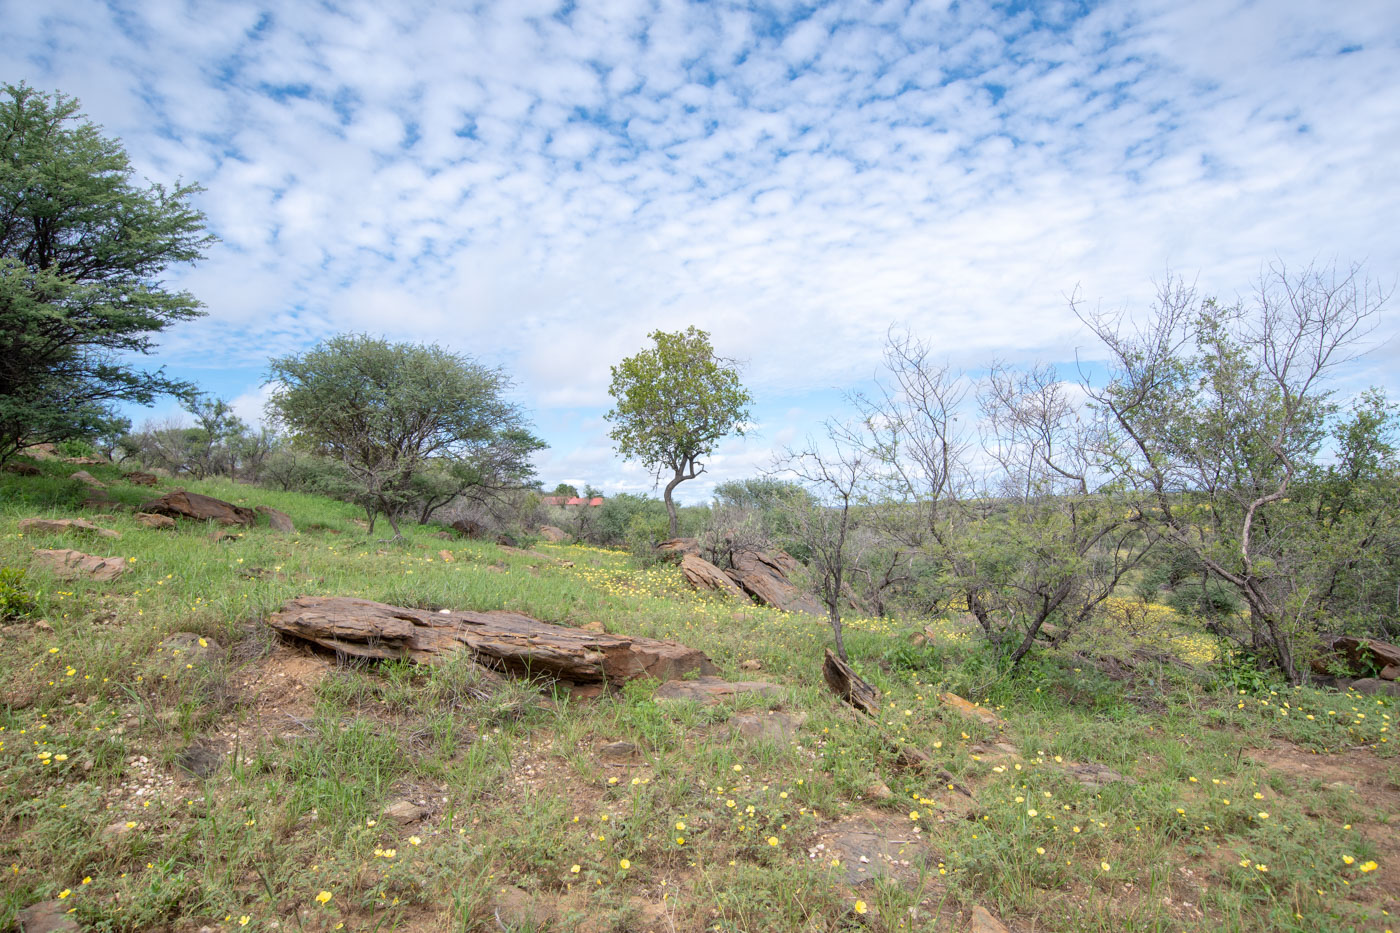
{"type": "Point", "coordinates": [152, 520]}
{"type": "Point", "coordinates": [1358, 654]}
{"type": "Point", "coordinates": [1375, 686]}
{"type": "Point", "coordinates": [446, 556]}
{"type": "Point", "coordinates": [470, 529]}
{"type": "Point", "coordinates": [1390, 672]}
{"type": "Point", "coordinates": [181, 504]}
{"type": "Point", "coordinates": [751, 665]}
{"type": "Point", "coordinates": [619, 753]}
{"type": "Point", "coordinates": [138, 478]}
{"type": "Point", "coordinates": [1094, 776]}
{"type": "Point", "coordinates": [23, 469]}
{"type": "Point", "coordinates": [48, 917]}
{"type": "Point", "coordinates": [879, 790]}
{"type": "Point", "coordinates": [507, 641]}
{"type": "Point", "coordinates": [70, 564]}
{"type": "Point", "coordinates": [680, 546]}
{"type": "Point", "coordinates": [983, 922]}
{"type": "Point", "coordinates": [280, 521]}
{"type": "Point", "coordinates": [973, 711]}
{"type": "Point", "coordinates": [404, 812]}
{"type": "Point", "coordinates": [866, 853]}
{"type": "Point", "coordinates": [551, 533]}
{"type": "Point", "coordinates": [83, 476]}
{"type": "Point", "coordinates": [54, 526]}
{"type": "Point", "coordinates": [711, 690]}
{"type": "Point", "coordinates": [764, 576]}
{"type": "Point", "coordinates": [704, 575]}
{"type": "Point", "coordinates": [771, 726]}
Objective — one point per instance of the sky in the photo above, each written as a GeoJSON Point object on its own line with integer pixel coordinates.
{"type": "Point", "coordinates": [542, 184]}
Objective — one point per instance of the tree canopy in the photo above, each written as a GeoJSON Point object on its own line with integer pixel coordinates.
{"type": "Point", "coordinates": [673, 402]}
{"type": "Point", "coordinates": [82, 248]}
{"type": "Point", "coordinates": [408, 421]}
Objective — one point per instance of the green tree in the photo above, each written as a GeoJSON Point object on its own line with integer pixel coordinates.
{"type": "Point", "coordinates": [82, 249]}
{"type": "Point", "coordinates": [673, 403]}
{"type": "Point", "coordinates": [403, 419]}
{"type": "Point", "coordinates": [1222, 414]}
{"type": "Point", "coordinates": [565, 489]}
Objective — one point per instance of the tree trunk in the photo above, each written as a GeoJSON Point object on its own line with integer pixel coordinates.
{"type": "Point", "coordinates": [671, 506]}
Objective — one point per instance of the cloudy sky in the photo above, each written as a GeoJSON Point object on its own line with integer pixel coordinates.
{"type": "Point", "coordinates": [541, 183]}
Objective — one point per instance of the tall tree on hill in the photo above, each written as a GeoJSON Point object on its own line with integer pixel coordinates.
{"type": "Point", "coordinates": [405, 420]}
{"type": "Point", "coordinates": [81, 251]}
{"type": "Point", "coordinates": [673, 403]}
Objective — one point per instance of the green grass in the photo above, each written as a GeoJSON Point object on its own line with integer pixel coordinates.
{"type": "Point", "coordinates": [518, 797]}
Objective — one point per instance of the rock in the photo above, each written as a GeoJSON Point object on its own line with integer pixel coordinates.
{"type": "Point", "coordinates": [280, 521]}
{"type": "Point", "coordinates": [764, 576]}
{"type": "Point", "coordinates": [983, 922]}
{"type": "Point", "coordinates": [200, 761]}
{"type": "Point", "coordinates": [404, 812]}
{"type": "Point", "coordinates": [1390, 672]}
{"type": "Point", "coordinates": [879, 790]}
{"type": "Point", "coordinates": [553, 534]}
{"type": "Point", "coordinates": [152, 520]}
{"type": "Point", "coordinates": [595, 626]}
{"type": "Point", "coordinates": [709, 691]}
{"type": "Point", "coordinates": [446, 556]}
{"type": "Point", "coordinates": [770, 726]}
{"type": "Point", "coordinates": [138, 478]}
{"type": "Point", "coordinates": [219, 536]}
{"type": "Point", "coordinates": [680, 546]}
{"type": "Point", "coordinates": [70, 564]}
{"type": "Point", "coordinates": [23, 469]}
{"type": "Point", "coordinates": [620, 753]}
{"type": "Point", "coordinates": [1094, 776]}
{"type": "Point", "coordinates": [502, 641]}
{"type": "Point", "coordinates": [470, 529]}
{"type": "Point", "coordinates": [751, 665]}
{"type": "Point", "coordinates": [181, 504]}
{"type": "Point", "coordinates": [83, 476]}
{"type": "Point", "coordinates": [1375, 686]}
{"type": "Point", "coordinates": [48, 917]}
{"type": "Point", "coordinates": [704, 575]}
{"type": "Point", "coordinates": [1356, 654]}
{"type": "Point", "coordinates": [973, 711]}
{"type": "Point", "coordinates": [54, 526]}
{"type": "Point", "coordinates": [113, 831]}
{"type": "Point", "coordinates": [865, 853]}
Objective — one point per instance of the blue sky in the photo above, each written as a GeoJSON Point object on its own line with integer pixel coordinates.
{"type": "Point", "coordinates": [541, 184]}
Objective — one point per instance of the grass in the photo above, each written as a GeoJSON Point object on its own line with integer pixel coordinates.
{"type": "Point", "coordinates": [527, 828]}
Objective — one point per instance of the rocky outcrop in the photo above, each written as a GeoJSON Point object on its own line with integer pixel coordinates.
{"type": "Point", "coordinates": [502, 641]}
{"type": "Point", "coordinates": [679, 546]}
{"type": "Point", "coordinates": [1359, 655]}
{"type": "Point", "coordinates": [181, 504]}
{"type": "Point", "coordinates": [71, 564]}
{"type": "Point", "coordinates": [83, 476]}
{"type": "Point", "coordinates": [704, 575]}
{"type": "Point", "coordinates": [764, 575]}
{"type": "Point", "coordinates": [152, 520]}
{"type": "Point", "coordinates": [57, 526]}
{"type": "Point", "coordinates": [138, 478]}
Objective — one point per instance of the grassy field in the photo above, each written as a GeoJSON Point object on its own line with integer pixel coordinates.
{"type": "Point", "coordinates": [1242, 805]}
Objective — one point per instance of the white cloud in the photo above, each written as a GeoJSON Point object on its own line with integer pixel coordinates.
{"type": "Point", "coordinates": [542, 186]}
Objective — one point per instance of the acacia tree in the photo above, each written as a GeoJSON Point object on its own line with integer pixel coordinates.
{"type": "Point", "coordinates": [673, 402]}
{"type": "Point", "coordinates": [1222, 412]}
{"type": "Point", "coordinates": [390, 412]}
{"type": "Point", "coordinates": [81, 251]}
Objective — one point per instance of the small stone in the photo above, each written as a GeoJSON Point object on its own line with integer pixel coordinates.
{"type": "Point", "coordinates": [48, 917]}
{"type": "Point", "coordinates": [619, 753]}
{"type": "Point", "coordinates": [751, 665]}
{"type": "Point", "coordinates": [404, 812]}
{"type": "Point", "coordinates": [280, 521]}
{"type": "Point", "coordinates": [446, 556]}
{"type": "Point", "coordinates": [984, 922]}
{"type": "Point", "coordinates": [67, 563]}
{"type": "Point", "coordinates": [54, 526]}
{"type": "Point", "coordinates": [879, 790]}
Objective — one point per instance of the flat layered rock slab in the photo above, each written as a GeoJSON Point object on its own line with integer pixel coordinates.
{"type": "Point", "coordinates": [70, 564]}
{"type": "Point", "coordinates": [865, 852]}
{"type": "Point", "coordinates": [709, 691]}
{"type": "Point", "coordinates": [56, 526]}
{"type": "Point", "coordinates": [771, 726]}
{"type": "Point", "coordinates": [506, 641]}
{"type": "Point", "coordinates": [181, 504]}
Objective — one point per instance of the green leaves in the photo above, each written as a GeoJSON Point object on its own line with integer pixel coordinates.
{"type": "Point", "coordinates": [81, 250]}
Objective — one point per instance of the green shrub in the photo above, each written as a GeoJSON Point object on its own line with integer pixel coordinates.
{"type": "Point", "coordinates": [15, 599]}
{"type": "Point", "coordinates": [75, 447]}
